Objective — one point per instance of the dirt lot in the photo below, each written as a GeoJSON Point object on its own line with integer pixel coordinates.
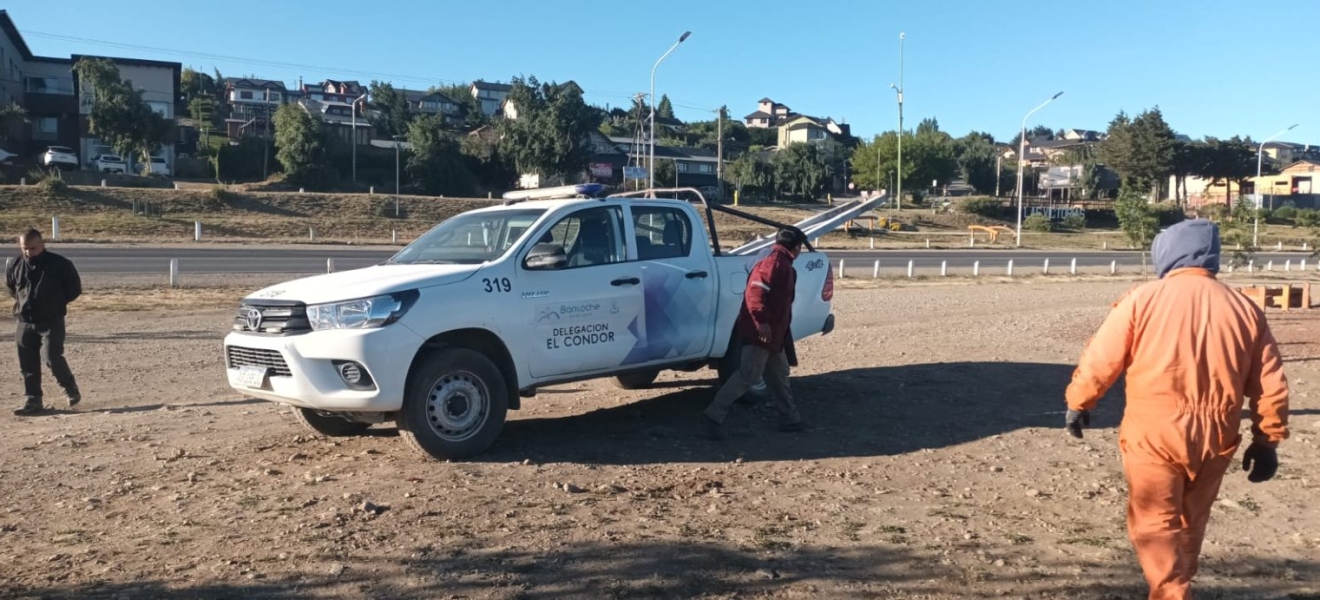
{"type": "Point", "coordinates": [935, 467]}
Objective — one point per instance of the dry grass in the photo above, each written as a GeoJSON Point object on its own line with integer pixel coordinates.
{"type": "Point", "coordinates": [122, 299]}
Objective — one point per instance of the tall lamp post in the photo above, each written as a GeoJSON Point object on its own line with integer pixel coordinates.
{"type": "Point", "coordinates": [1260, 151]}
{"type": "Point", "coordinates": [651, 162]}
{"type": "Point", "coordinates": [397, 140]}
{"type": "Point", "coordinates": [355, 141]}
{"type": "Point", "coordinates": [898, 197]}
{"type": "Point", "coordinates": [1022, 149]}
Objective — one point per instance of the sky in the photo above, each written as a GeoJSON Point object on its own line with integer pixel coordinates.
{"type": "Point", "coordinates": [1213, 67]}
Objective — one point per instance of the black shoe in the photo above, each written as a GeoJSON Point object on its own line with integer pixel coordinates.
{"type": "Point", "coordinates": [712, 430]}
{"type": "Point", "coordinates": [795, 426]}
{"type": "Point", "coordinates": [31, 407]}
{"type": "Point", "coordinates": [74, 398]}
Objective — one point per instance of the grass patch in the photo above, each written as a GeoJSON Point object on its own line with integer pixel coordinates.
{"type": "Point", "coordinates": [160, 298]}
{"type": "Point", "coordinates": [1018, 539]}
{"type": "Point", "coordinates": [1094, 542]}
{"type": "Point", "coordinates": [767, 537]}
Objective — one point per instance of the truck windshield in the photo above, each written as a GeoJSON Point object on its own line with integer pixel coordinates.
{"type": "Point", "coordinates": [471, 238]}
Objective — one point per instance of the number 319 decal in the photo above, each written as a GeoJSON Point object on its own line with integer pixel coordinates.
{"type": "Point", "coordinates": [501, 284]}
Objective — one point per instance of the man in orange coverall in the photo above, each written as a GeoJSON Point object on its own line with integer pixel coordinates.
{"type": "Point", "coordinates": [1193, 348]}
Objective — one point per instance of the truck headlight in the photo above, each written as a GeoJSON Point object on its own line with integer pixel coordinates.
{"type": "Point", "coordinates": [363, 313]}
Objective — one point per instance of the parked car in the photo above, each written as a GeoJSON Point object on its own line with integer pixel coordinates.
{"type": "Point", "coordinates": [109, 163]}
{"type": "Point", "coordinates": [159, 167]}
{"type": "Point", "coordinates": [59, 156]}
{"type": "Point", "coordinates": [6, 157]}
{"type": "Point", "coordinates": [491, 304]}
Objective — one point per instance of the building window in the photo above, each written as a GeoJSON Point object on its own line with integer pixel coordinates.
{"type": "Point", "coordinates": [273, 96]}
{"type": "Point", "coordinates": [245, 95]}
{"type": "Point", "coordinates": [682, 167]}
{"type": "Point", "coordinates": [161, 108]}
{"type": "Point", "coordinates": [45, 128]}
{"type": "Point", "coordinates": [705, 168]}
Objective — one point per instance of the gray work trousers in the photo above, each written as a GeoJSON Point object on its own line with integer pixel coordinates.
{"type": "Point", "coordinates": [756, 363]}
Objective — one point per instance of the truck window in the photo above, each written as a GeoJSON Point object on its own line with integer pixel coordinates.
{"type": "Point", "coordinates": [469, 238]}
{"type": "Point", "coordinates": [589, 237]}
{"type": "Point", "coordinates": [661, 232]}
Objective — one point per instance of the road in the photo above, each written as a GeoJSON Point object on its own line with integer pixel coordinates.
{"type": "Point", "coordinates": [258, 259]}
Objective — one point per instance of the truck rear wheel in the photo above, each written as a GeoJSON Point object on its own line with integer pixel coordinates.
{"type": "Point", "coordinates": [455, 404]}
{"type": "Point", "coordinates": [729, 365]}
{"type": "Point", "coordinates": [636, 381]}
{"type": "Point", "coordinates": [329, 424]}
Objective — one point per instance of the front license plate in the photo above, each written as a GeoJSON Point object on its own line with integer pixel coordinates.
{"type": "Point", "coordinates": [253, 377]}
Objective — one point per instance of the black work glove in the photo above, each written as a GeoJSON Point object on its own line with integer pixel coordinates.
{"type": "Point", "coordinates": [1075, 420]}
{"type": "Point", "coordinates": [1262, 461]}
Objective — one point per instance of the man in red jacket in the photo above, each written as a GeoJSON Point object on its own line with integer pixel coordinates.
{"type": "Point", "coordinates": [763, 330]}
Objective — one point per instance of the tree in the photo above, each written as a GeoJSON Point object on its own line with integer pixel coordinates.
{"type": "Point", "coordinates": [664, 109]}
{"type": "Point", "coordinates": [750, 176]}
{"type": "Point", "coordinates": [469, 108]}
{"type": "Point", "coordinates": [119, 115]}
{"type": "Point", "coordinates": [1188, 159]}
{"type": "Point", "coordinates": [1039, 132]}
{"type": "Point", "coordinates": [302, 146]}
{"type": "Point", "coordinates": [1137, 219]}
{"type": "Point", "coordinates": [10, 116]}
{"type": "Point", "coordinates": [490, 170]}
{"type": "Point", "coordinates": [436, 164]}
{"type": "Point", "coordinates": [976, 157]}
{"type": "Point", "coordinates": [1140, 150]}
{"type": "Point", "coordinates": [800, 172]}
{"type": "Point", "coordinates": [395, 113]}
{"type": "Point", "coordinates": [929, 157]}
{"type": "Point", "coordinates": [552, 134]}
{"type": "Point", "coordinates": [1226, 161]}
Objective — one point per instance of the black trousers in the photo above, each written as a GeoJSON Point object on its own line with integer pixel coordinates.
{"type": "Point", "coordinates": [42, 343]}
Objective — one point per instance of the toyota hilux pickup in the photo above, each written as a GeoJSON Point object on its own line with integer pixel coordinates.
{"type": "Point", "coordinates": [551, 286]}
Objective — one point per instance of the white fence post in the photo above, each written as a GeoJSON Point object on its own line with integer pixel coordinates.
{"type": "Point", "coordinates": [1113, 267]}
{"type": "Point", "coordinates": [1105, 246]}
{"type": "Point", "coordinates": [1269, 266]}
{"type": "Point", "coordinates": [1287, 265]}
{"type": "Point", "coordinates": [1010, 267]}
{"type": "Point", "coordinates": [971, 242]}
{"type": "Point", "coordinates": [840, 268]}
{"type": "Point", "coordinates": [1303, 266]}
{"type": "Point", "coordinates": [329, 265]}
{"type": "Point", "coordinates": [394, 236]}
{"type": "Point", "coordinates": [102, 183]}
{"type": "Point", "coordinates": [22, 182]}
{"type": "Point", "coordinates": [875, 272]}
{"type": "Point", "coordinates": [1072, 269]}
{"type": "Point", "coordinates": [976, 269]}
{"type": "Point", "coordinates": [944, 268]}
{"type": "Point", "coordinates": [55, 228]}
{"type": "Point", "coordinates": [1251, 266]}
{"type": "Point", "coordinates": [1279, 248]}
{"type": "Point", "coordinates": [174, 272]}
{"type": "Point", "coordinates": [311, 234]}
{"type": "Point", "coordinates": [197, 231]}
{"type": "Point", "coordinates": [928, 243]}
{"type": "Point", "coordinates": [911, 267]}
{"type": "Point", "coordinates": [1046, 269]}
{"type": "Point", "coordinates": [873, 243]}
{"type": "Point", "coordinates": [371, 191]}
{"type": "Point", "coordinates": [301, 190]}
{"type": "Point", "coordinates": [1230, 267]}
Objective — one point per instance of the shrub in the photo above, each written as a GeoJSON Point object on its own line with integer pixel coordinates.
{"type": "Point", "coordinates": [1038, 222]}
{"type": "Point", "coordinates": [1307, 217]}
{"type": "Point", "coordinates": [1074, 222]}
{"type": "Point", "coordinates": [1213, 212]}
{"type": "Point", "coordinates": [1168, 213]}
{"type": "Point", "coordinates": [53, 183]}
{"type": "Point", "coordinates": [985, 207]}
{"type": "Point", "coordinates": [1285, 214]}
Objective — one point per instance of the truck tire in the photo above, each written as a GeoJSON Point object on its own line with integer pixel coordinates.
{"type": "Point", "coordinates": [636, 381]}
{"type": "Point", "coordinates": [729, 365]}
{"type": "Point", "coordinates": [454, 405]}
{"type": "Point", "coordinates": [329, 425]}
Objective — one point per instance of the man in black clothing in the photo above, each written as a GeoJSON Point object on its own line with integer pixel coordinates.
{"type": "Point", "coordinates": [42, 285]}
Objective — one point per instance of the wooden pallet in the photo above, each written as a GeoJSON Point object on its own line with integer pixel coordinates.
{"type": "Point", "coordinates": [1283, 297]}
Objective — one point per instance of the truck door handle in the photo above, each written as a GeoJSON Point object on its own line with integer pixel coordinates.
{"type": "Point", "coordinates": [625, 281]}
{"type": "Point", "coordinates": [696, 275]}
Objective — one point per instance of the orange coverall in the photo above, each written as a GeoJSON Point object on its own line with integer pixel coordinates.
{"type": "Point", "coordinates": [1192, 348]}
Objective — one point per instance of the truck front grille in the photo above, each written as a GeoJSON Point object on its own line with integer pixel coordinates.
{"type": "Point", "coordinates": [239, 356]}
{"type": "Point", "coordinates": [286, 318]}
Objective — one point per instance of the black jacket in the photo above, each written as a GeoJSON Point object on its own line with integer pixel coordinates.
{"type": "Point", "coordinates": [43, 287]}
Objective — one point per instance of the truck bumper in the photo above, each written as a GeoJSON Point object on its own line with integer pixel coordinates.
{"type": "Point", "coordinates": [305, 370]}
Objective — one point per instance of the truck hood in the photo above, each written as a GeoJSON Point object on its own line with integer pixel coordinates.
{"type": "Point", "coordinates": [363, 283]}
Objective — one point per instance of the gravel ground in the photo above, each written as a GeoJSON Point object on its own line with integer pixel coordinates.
{"type": "Point", "coordinates": [934, 467]}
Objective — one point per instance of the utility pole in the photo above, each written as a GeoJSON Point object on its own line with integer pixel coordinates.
{"type": "Point", "coordinates": [898, 198]}
{"type": "Point", "coordinates": [265, 148]}
{"type": "Point", "coordinates": [719, 154]}
{"type": "Point", "coordinates": [999, 165]}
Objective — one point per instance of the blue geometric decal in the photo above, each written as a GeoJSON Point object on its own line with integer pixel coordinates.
{"type": "Point", "coordinates": [674, 319]}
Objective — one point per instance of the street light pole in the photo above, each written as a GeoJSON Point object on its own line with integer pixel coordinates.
{"type": "Point", "coordinates": [1022, 149]}
{"type": "Point", "coordinates": [1255, 228]}
{"type": "Point", "coordinates": [651, 162]}
{"type": "Point", "coordinates": [396, 174]}
{"type": "Point", "coordinates": [354, 143]}
{"type": "Point", "coordinates": [898, 197]}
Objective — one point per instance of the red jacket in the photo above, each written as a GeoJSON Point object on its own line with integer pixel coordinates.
{"type": "Point", "coordinates": [768, 300]}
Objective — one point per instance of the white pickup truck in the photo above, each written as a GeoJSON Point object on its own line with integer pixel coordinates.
{"type": "Point", "coordinates": [480, 311]}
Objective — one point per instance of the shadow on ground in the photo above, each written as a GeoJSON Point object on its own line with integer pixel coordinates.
{"type": "Point", "coordinates": [681, 570]}
{"type": "Point", "coordinates": [851, 413]}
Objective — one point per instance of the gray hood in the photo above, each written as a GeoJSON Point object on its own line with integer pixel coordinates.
{"type": "Point", "coordinates": [1191, 243]}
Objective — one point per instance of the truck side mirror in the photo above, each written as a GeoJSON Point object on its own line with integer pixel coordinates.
{"type": "Point", "coordinates": [546, 257]}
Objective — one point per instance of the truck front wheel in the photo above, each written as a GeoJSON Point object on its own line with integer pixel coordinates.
{"type": "Point", "coordinates": [636, 381]}
{"type": "Point", "coordinates": [455, 404]}
{"type": "Point", "coordinates": [329, 425]}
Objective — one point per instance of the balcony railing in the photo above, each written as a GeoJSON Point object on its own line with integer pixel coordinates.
{"type": "Point", "coordinates": [48, 86]}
